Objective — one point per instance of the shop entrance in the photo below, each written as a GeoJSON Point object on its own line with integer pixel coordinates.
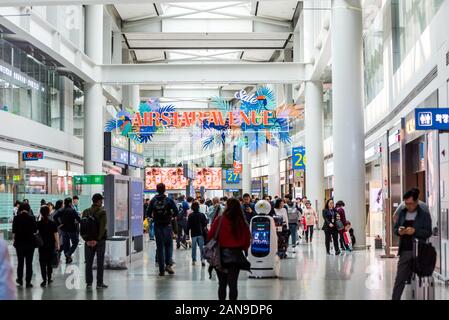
{"type": "Point", "coordinates": [395, 192]}
{"type": "Point", "coordinates": [415, 169]}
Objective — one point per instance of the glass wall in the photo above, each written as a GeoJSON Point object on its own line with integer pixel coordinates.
{"type": "Point", "coordinates": [28, 88]}
{"type": "Point", "coordinates": [409, 19]}
{"type": "Point", "coordinates": [373, 59]}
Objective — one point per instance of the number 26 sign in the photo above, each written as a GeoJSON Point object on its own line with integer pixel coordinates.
{"type": "Point", "coordinates": [299, 158]}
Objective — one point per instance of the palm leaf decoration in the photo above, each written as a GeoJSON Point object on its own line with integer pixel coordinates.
{"type": "Point", "coordinates": [269, 96]}
{"type": "Point", "coordinates": [221, 103]}
{"type": "Point", "coordinates": [208, 143]}
{"type": "Point", "coordinates": [111, 125]}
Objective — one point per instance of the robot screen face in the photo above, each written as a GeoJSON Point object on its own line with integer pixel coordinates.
{"type": "Point", "coordinates": [260, 246]}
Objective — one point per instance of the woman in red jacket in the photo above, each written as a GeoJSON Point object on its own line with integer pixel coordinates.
{"type": "Point", "coordinates": [233, 238]}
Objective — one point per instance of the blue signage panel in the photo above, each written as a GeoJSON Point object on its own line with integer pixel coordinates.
{"type": "Point", "coordinates": [432, 119]}
{"type": "Point", "coordinates": [231, 177]}
{"type": "Point", "coordinates": [119, 155]}
{"type": "Point", "coordinates": [136, 197]}
{"type": "Point", "coordinates": [299, 158]}
{"type": "Point", "coordinates": [32, 155]}
{"type": "Point", "coordinates": [136, 160]}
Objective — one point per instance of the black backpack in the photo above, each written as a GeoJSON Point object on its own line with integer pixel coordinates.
{"type": "Point", "coordinates": [161, 212]}
{"type": "Point", "coordinates": [424, 263]}
{"type": "Point", "coordinates": [89, 227]}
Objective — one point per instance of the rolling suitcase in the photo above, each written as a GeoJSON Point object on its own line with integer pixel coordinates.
{"type": "Point", "coordinates": [423, 288]}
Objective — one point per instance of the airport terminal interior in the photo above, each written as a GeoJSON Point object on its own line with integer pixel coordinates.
{"type": "Point", "coordinates": [309, 138]}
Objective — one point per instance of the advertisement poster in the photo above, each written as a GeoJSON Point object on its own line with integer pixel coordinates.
{"type": "Point", "coordinates": [173, 178]}
{"type": "Point", "coordinates": [237, 160]}
{"type": "Point", "coordinates": [209, 178]}
{"type": "Point", "coordinates": [376, 200]}
{"type": "Point", "coordinates": [136, 208]}
{"type": "Point", "coordinates": [121, 206]}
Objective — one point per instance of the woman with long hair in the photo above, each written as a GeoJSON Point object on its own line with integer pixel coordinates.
{"type": "Point", "coordinates": [329, 227]}
{"type": "Point", "coordinates": [49, 233]}
{"type": "Point", "coordinates": [233, 238]}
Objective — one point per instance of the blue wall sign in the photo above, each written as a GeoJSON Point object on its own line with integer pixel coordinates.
{"type": "Point", "coordinates": [136, 160]}
{"type": "Point", "coordinates": [299, 158]}
{"type": "Point", "coordinates": [32, 155]}
{"type": "Point", "coordinates": [231, 177]}
{"type": "Point", "coordinates": [432, 119]}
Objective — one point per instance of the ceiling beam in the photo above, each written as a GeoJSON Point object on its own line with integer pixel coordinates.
{"type": "Point", "coordinates": [8, 3]}
{"type": "Point", "coordinates": [199, 73]}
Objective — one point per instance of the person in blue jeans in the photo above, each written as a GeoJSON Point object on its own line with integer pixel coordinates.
{"type": "Point", "coordinates": [197, 225]}
{"type": "Point", "coordinates": [162, 209]}
{"type": "Point", "coordinates": [183, 209]}
{"type": "Point", "coordinates": [68, 219]}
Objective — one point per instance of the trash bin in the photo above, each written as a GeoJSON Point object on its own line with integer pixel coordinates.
{"type": "Point", "coordinates": [115, 256]}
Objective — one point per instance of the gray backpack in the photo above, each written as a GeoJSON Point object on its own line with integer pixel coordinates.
{"type": "Point", "coordinates": [293, 215]}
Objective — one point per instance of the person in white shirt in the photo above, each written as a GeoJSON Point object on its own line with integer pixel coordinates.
{"type": "Point", "coordinates": [7, 286]}
{"type": "Point", "coordinates": [204, 209]}
{"type": "Point", "coordinates": [280, 210]}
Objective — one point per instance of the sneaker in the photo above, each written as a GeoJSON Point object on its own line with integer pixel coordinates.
{"type": "Point", "coordinates": [89, 286]}
{"type": "Point", "coordinates": [50, 281]}
{"type": "Point", "coordinates": [29, 285]}
{"type": "Point", "coordinates": [169, 269]}
{"type": "Point", "coordinates": [203, 264]}
{"type": "Point", "coordinates": [338, 253]}
{"type": "Point", "coordinates": [178, 246]}
{"type": "Point", "coordinates": [68, 260]}
{"type": "Point", "coordinates": [43, 284]}
{"type": "Point", "coordinates": [102, 286]}
{"type": "Point", "coordinates": [193, 263]}
{"type": "Point", "coordinates": [294, 250]}
{"type": "Point", "coordinates": [19, 282]}
{"type": "Point", "coordinates": [161, 274]}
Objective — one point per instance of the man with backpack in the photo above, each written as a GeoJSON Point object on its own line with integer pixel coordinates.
{"type": "Point", "coordinates": [68, 218]}
{"type": "Point", "coordinates": [93, 231]}
{"type": "Point", "coordinates": [413, 222]}
{"type": "Point", "coordinates": [163, 209]}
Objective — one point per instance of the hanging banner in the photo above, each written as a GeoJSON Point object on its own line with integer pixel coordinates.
{"type": "Point", "coordinates": [299, 158]}
{"type": "Point", "coordinates": [237, 160]}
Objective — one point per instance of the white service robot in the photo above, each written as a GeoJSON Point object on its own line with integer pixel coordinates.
{"type": "Point", "coordinates": [264, 244]}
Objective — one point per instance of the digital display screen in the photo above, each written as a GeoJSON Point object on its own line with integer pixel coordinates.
{"type": "Point", "coordinates": [261, 238]}
{"type": "Point", "coordinates": [136, 160]}
{"type": "Point", "coordinates": [173, 178]}
{"type": "Point", "coordinates": [209, 178]}
{"type": "Point", "coordinates": [32, 155]}
{"type": "Point", "coordinates": [119, 155]}
{"type": "Point", "coordinates": [121, 206]}
{"type": "Point", "coordinates": [136, 208]}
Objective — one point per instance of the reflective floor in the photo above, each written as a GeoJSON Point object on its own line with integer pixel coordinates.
{"type": "Point", "coordinates": [308, 274]}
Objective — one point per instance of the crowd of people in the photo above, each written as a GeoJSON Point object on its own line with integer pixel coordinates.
{"type": "Point", "coordinates": [56, 230]}
{"type": "Point", "coordinates": [194, 223]}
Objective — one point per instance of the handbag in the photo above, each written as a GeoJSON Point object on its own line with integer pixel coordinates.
{"type": "Point", "coordinates": [38, 242]}
{"type": "Point", "coordinates": [212, 248]}
{"type": "Point", "coordinates": [55, 259]}
{"type": "Point", "coordinates": [235, 257]}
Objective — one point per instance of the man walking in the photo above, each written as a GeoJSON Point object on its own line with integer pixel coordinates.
{"type": "Point", "coordinates": [95, 238]}
{"type": "Point", "coordinates": [413, 223]}
{"type": "Point", "coordinates": [163, 209]}
{"type": "Point", "coordinates": [69, 228]}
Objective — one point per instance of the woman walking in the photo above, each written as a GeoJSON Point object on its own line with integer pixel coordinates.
{"type": "Point", "coordinates": [311, 220]}
{"type": "Point", "coordinates": [49, 233]}
{"type": "Point", "coordinates": [23, 229]}
{"type": "Point", "coordinates": [197, 224]}
{"type": "Point", "coordinates": [329, 227]}
{"type": "Point", "coordinates": [233, 238]}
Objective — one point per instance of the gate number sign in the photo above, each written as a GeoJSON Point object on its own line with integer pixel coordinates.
{"type": "Point", "coordinates": [299, 158]}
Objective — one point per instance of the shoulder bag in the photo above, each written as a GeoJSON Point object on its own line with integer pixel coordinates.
{"type": "Point", "coordinates": [212, 248]}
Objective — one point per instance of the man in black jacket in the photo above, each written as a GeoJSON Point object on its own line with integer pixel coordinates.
{"type": "Point", "coordinates": [413, 222]}
{"type": "Point", "coordinates": [162, 209]}
{"type": "Point", "coordinates": [196, 224]}
{"type": "Point", "coordinates": [69, 228]}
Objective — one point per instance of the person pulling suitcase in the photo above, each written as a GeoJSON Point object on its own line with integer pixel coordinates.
{"type": "Point", "coordinates": [413, 223]}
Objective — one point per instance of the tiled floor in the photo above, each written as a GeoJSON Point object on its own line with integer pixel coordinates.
{"type": "Point", "coordinates": [308, 274]}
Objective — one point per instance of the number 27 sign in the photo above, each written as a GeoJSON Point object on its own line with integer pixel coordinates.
{"type": "Point", "coordinates": [299, 158]}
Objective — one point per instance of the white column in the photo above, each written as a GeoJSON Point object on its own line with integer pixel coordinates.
{"type": "Point", "coordinates": [246, 171]}
{"type": "Point", "coordinates": [117, 48]}
{"type": "Point", "coordinates": [94, 101]}
{"type": "Point", "coordinates": [131, 99]}
{"type": "Point", "coordinates": [274, 181]}
{"type": "Point", "coordinates": [348, 123]}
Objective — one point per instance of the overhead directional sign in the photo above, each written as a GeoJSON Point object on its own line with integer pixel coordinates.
{"type": "Point", "coordinates": [232, 177]}
{"type": "Point", "coordinates": [299, 158]}
{"type": "Point", "coordinates": [432, 119]}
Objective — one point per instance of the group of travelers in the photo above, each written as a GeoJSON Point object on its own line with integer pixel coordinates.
{"type": "Point", "coordinates": [55, 230]}
{"type": "Point", "coordinates": [336, 228]}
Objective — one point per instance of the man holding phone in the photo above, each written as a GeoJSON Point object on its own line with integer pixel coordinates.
{"type": "Point", "coordinates": [413, 222]}
{"type": "Point", "coordinates": [248, 207]}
